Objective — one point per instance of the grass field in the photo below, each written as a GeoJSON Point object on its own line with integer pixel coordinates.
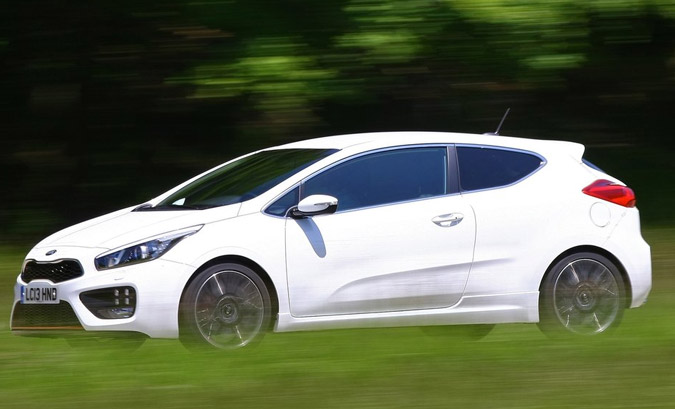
{"type": "Point", "coordinates": [513, 367]}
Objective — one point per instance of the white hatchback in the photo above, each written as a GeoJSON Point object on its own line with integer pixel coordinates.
{"type": "Point", "coordinates": [376, 229]}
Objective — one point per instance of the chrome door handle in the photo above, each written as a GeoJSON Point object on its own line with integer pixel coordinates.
{"type": "Point", "coordinates": [448, 220]}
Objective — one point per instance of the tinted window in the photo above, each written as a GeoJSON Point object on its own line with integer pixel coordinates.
{"type": "Point", "coordinates": [483, 168]}
{"type": "Point", "coordinates": [383, 177]}
{"type": "Point", "coordinates": [243, 179]}
{"type": "Point", "coordinates": [280, 206]}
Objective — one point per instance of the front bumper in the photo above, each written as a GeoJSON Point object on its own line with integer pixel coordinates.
{"type": "Point", "coordinates": [157, 284]}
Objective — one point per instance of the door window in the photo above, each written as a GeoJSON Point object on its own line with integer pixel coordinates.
{"type": "Point", "coordinates": [383, 178]}
{"type": "Point", "coordinates": [281, 206]}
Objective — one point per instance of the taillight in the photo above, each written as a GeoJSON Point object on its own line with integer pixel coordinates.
{"type": "Point", "coordinates": [611, 192]}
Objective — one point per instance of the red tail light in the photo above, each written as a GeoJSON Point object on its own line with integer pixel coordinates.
{"type": "Point", "coordinates": [611, 192]}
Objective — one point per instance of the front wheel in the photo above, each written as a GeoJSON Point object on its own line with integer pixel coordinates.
{"type": "Point", "coordinates": [227, 306]}
{"type": "Point", "coordinates": [582, 294]}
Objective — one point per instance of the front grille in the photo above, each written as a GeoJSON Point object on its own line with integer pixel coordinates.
{"type": "Point", "coordinates": [44, 316]}
{"type": "Point", "coordinates": [56, 272]}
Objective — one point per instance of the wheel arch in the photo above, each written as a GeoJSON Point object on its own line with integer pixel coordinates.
{"type": "Point", "coordinates": [597, 250]}
{"type": "Point", "coordinates": [247, 262]}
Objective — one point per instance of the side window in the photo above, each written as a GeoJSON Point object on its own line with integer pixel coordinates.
{"type": "Point", "coordinates": [383, 177]}
{"type": "Point", "coordinates": [484, 168]}
{"type": "Point", "coordinates": [280, 206]}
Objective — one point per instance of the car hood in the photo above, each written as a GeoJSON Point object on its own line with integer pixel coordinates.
{"type": "Point", "coordinates": [125, 226]}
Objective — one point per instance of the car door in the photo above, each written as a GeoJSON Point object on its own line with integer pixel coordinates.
{"type": "Point", "coordinates": [401, 239]}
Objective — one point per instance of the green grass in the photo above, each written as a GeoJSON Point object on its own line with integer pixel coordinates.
{"type": "Point", "coordinates": [513, 367]}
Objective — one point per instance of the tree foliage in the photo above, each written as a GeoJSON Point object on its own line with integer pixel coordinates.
{"type": "Point", "coordinates": [105, 104]}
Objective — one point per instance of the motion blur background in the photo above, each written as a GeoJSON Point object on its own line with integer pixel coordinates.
{"type": "Point", "coordinates": [105, 104]}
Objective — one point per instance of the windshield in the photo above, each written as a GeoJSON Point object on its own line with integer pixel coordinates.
{"type": "Point", "coordinates": [241, 180]}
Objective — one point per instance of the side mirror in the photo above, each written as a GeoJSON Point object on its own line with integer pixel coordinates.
{"type": "Point", "coordinates": [314, 205]}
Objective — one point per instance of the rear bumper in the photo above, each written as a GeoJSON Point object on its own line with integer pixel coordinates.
{"type": "Point", "coordinates": [634, 254]}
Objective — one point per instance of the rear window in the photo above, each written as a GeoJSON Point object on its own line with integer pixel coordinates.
{"type": "Point", "coordinates": [485, 168]}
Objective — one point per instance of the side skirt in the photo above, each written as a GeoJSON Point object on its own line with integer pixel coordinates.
{"type": "Point", "coordinates": [485, 309]}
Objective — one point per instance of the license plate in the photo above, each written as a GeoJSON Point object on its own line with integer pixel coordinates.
{"type": "Point", "coordinates": [39, 293]}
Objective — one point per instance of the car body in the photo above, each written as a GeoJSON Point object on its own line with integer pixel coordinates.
{"type": "Point", "coordinates": [361, 230]}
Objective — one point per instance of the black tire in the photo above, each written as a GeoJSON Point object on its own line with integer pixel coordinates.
{"type": "Point", "coordinates": [226, 306]}
{"type": "Point", "coordinates": [583, 294]}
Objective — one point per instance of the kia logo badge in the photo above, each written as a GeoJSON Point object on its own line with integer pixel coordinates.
{"type": "Point", "coordinates": [50, 252]}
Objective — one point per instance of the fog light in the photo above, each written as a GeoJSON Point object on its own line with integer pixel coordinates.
{"type": "Point", "coordinates": [110, 303]}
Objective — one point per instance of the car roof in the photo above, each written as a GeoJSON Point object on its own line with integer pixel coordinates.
{"type": "Point", "coordinates": [376, 140]}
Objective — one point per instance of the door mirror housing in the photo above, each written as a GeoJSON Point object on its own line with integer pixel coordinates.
{"type": "Point", "coordinates": [314, 205]}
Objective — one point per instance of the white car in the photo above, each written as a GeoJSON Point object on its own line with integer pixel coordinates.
{"type": "Point", "coordinates": [363, 230]}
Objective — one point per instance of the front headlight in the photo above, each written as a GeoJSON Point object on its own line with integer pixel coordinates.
{"type": "Point", "coordinates": [147, 250]}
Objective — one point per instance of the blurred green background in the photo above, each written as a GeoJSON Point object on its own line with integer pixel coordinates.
{"type": "Point", "coordinates": [105, 104]}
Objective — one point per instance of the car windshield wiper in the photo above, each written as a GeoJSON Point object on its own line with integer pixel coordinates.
{"type": "Point", "coordinates": [149, 208]}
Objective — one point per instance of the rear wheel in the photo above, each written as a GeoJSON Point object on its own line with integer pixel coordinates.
{"type": "Point", "coordinates": [582, 294]}
{"type": "Point", "coordinates": [227, 306]}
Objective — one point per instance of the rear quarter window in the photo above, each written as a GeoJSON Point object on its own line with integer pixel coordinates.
{"type": "Point", "coordinates": [486, 168]}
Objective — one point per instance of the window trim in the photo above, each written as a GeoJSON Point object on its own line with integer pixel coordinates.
{"type": "Point", "coordinates": [451, 183]}
{"type": "Point", "coordinates": [543, 163]}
